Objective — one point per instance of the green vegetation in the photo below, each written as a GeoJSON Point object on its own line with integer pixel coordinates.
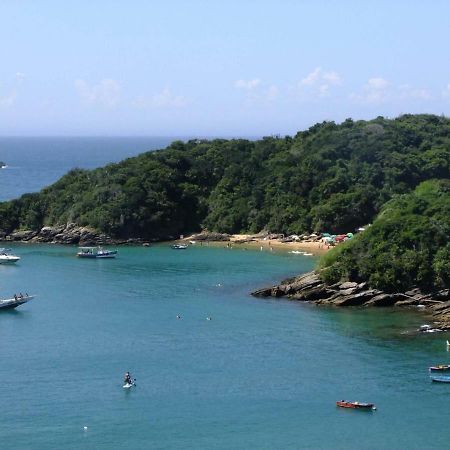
{"type": "Point", "coordinates": [330, 177]}
{"type": "Point", "coordinates": [407, 246]}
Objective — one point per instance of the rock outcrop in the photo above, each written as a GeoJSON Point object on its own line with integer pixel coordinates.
{"type": "Point", "coordinates": [309, 287]}
{"type": "Point", "coordinates": [210, 236]}
{"type": "Point", "coordinates": [63, 234]}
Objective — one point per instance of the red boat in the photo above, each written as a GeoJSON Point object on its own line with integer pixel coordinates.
{"type": "Point", "coordinates": [355, 405]}
{"type": "Point", "coordinates": [440, 368]}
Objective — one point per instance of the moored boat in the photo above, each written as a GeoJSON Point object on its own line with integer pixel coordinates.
{"type": "Point", "coordinates": [17, 300]}
{"type": "Point", "coordinates": [440, 368]}
{"type": "Point", "coordinates": [6, 257]}
{"type": "Point", "coordinates": [440, 379]}
{"type": "Point", "coordinates": [179, 246]}
{"type": "Point", "coordinates": [355, 405]}
{"type": "Point", "coordinates": [96, 252]}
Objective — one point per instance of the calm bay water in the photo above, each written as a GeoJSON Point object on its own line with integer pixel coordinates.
{"type": "Point", "coordinates": [262, 374]}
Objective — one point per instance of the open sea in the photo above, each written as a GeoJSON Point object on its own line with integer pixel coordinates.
{"type": "Point", "coordinates": [261, 374]}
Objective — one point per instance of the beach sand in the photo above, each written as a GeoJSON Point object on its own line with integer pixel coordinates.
{"type": "Point", "coordinates": [316, 248]}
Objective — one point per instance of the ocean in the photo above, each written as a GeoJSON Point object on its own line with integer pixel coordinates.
{"type": "Point", "coordinates": [261, 374]}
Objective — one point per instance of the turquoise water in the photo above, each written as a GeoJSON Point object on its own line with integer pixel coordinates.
{"type": "Point", "coordinates": [262, 374]}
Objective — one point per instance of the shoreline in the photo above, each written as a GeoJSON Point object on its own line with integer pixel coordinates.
{"type": "Point", "coordinates": [249, 241]}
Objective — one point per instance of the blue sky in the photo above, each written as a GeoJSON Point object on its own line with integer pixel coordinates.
{"type": "Point", "coordinates": [210, 68]}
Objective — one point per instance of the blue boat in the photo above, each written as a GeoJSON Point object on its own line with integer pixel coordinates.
{"type": "Point", "coordinates": [440, 379]}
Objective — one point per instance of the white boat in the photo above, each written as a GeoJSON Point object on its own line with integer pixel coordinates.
{"type": "Point", "coordinates": [96, 252]}
{"type": "Point", "coordinates": [17, 300]}
{"type": "Point", "coordinates": [179, 246]}
{"type": "Point", "coordinates": [129, 385]}
{"type": "Point", "coordinates": [7, 258]}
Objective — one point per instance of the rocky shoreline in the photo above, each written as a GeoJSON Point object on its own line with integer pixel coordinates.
{"type": "Point", "coordinates": [73, 234]}
{"type": "Point", "coordinates": [309, 287]}
{"type": "Point", "coordinates": [64, 234]}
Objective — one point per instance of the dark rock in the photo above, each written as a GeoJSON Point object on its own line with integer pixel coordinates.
{"type": "Point", "coordinates": [264, 292]}
{"type": "Point", "coordinates": [210, 236]}
{"type": "Point", "coordinates": [22, 235]}
{"type": "Point", "coordinates": [381, 300]}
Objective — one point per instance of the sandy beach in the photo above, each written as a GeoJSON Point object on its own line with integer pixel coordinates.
{"type": "Point", "coordinates": [236, 241]}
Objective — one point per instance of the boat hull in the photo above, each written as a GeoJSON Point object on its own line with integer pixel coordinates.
{"type": "Point", "coordinates": [9, 259]}
{"type": "Point", "coordinates": [356, 405]}
{"type": "Point", "coordinates": [438, 379]}
{"type": "Point", "coordinates": [11, 303]}
{"type": "Point", "coordinates": [440, 368]}
{"type": "Point", "coordinates": [100, 254]}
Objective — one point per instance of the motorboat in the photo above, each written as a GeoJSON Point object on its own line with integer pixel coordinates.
{"type": "Point", "coordinates": [179, 246]}
{"type": "Point", "coordinates": [355, 405]}
{"type": "Point", "coordinates": [14, 302]}
{"type": "Point", "coordinates": [6, 257]}
{"type": "Point", "coordinates": [96, 252]}
{"type": "Point", "coordinates": [440, 368]}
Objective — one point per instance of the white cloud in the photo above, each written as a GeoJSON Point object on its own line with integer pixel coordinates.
{"type": "Point", "coordinates": [10, 96]}
{"type": "Point", "coordinates": [105, 93]}
{"type": "Point", "coordinates": [332, 77]}
{"type": "Point", "coordinates": [376, 90]}
{"type": "Point", "coordinates": [379, 90]}
{"type": "Point", "coordinates": [377, 84]}
{"type": "Point", "coordinates": [272, 93]}
{"type": "Point", "coordinates": [163, 99]}
{"type": "Point", "coordinates": [312, 77]}
{"type": "Point", "coordinates": [20, 76]}
{"type": "Point", "coordinates": [8, 100]}
{"type": "Point", "coordinates": [247, 84]}
{"type": "Point", "coordinates": [406, 91]}
{"type": "Point", "coordinates": [319, 82]}
{"type": "Point", "coordinates": [446, 91]}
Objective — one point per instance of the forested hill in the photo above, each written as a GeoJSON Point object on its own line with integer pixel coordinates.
{"type": "Point", "coordinates": [328, 178]}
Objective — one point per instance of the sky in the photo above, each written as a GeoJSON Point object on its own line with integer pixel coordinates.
{"type": "Point", "coordinates": [217, 68]}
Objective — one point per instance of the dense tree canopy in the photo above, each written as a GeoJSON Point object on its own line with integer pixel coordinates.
{"type": "Point", "coordinates": [328, 178]}
{"type": "Point", "coordinates": [407, 246]}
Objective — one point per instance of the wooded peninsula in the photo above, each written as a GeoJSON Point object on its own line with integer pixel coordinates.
{"type": "Point", "coordinates": [393, 174]}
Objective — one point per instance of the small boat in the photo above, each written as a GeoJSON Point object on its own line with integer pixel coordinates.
{"type": "Point", "coordinates": [17, 300]}
{"type": "Point", "coordinates": [179, 246]}
{"type": "Point", "coordinates": [440, 368]}
{"type": "Point", "coordinates": [440, 379]}
{"type": "Point", "coordinates": [355, 405]}
{"type": "Point", "coordinates": [96, 252]}
{"type": "Point", "coordinates": [6, 257]}
{"type": "Point", "coordinates": [129, 385]}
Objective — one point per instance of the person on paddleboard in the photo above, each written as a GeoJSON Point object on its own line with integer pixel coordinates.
{"type": "Point", "coordinates": [127, 379]}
